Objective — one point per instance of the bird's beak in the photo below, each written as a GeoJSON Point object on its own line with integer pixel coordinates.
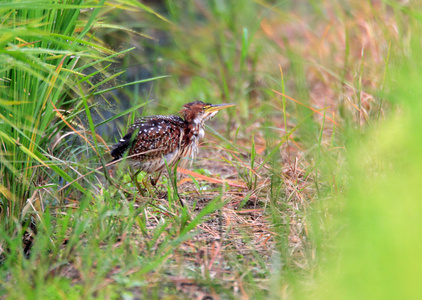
{"type": "Point", "coordinates": [217, 107]}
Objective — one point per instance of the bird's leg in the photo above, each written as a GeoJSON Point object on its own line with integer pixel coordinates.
{"type": "Point", "coordinates": [134, 178]}
{"type": "Point", "coordinates": [145, 182]}
{"type": "Point", "coordinates": [153, 181]}
{"type": "Point", "coordinates": [148, 185]}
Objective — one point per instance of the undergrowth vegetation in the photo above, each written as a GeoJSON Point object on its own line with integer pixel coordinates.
{"type": "Point", "coordinates": [306, 189]}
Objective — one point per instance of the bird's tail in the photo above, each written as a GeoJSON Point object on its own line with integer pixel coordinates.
{"type": "Point", "coordinates": [122, 146]}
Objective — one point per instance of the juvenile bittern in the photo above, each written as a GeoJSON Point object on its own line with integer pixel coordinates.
{"type": "Point", "coordinates": [168, 138]}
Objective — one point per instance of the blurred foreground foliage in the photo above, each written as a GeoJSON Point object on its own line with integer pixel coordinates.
{"type": "Point", "coordinates": [377, 252]}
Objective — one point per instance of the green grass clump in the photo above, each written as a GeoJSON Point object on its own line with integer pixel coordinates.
{"type": "Point", "coordinates": [41, 50]}
{"type": "Point", "coordinates": [48, 60]}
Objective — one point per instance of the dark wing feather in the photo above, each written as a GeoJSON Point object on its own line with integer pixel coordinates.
{"type": "Point", "coordinates": [122, 146]}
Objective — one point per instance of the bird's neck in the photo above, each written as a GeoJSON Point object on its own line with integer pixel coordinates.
{"type": "Point", "coordinates": [196, 127]}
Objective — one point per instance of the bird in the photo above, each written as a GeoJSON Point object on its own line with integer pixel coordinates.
{"type": "Point", "coordinates": [153, 141]}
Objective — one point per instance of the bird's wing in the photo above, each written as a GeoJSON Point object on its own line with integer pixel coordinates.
{"type": "Point", "coordinates": [119, 149]}
{"type": "Point", "coordinates": [157, 136]}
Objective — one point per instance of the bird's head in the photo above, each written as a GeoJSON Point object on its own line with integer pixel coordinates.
{"type": "Point", "coordinates": [200, 112]}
